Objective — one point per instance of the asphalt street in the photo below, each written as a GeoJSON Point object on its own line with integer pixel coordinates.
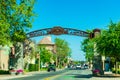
{"type": "Point", "coordinates": [75, 75]}
{"type": "Point", "coordinates": [80, 74]}
{"type": "Point", "coordinates": [40, 76]}
{"type": "Point", "coordinates": [84, 74]}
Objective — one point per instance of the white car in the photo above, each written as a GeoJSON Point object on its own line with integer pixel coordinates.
{"type": "Point", "coordinates": [78, 67]}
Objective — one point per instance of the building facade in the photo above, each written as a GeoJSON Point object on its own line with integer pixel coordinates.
{"type": "Point", "coordinates": [49, 45]}
{"type": "Point", "coordinates": [4, 57]}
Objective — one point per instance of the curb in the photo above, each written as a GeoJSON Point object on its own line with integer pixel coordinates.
{"type": "Point", "coordinates": [6, 77]}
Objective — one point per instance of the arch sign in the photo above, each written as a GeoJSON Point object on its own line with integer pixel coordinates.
{"type": "Point", "coordinates": [57, 30]}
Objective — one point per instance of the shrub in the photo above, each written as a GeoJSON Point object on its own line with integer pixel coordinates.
{"type": "Point", "coordinates": [113, 70]}
{"type": "Point", "coordinates": [4, 72]}
{"type": "Point", "coordinates": [118, 71]}
{"type": "Point", "coordinates": [43, 69]}
{"type": "Point", "coordinates": [33, 67]}
{"type": "Point", "coordinates": [26, 70]}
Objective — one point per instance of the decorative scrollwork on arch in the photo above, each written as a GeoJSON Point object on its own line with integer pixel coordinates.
{"type": "Point", "coordinates": [57, 30]}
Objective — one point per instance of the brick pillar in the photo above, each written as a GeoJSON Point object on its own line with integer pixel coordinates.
{"type": "Point", "coordinates": [97, 61]}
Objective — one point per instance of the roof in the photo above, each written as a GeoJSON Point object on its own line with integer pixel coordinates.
{"type": "Point", "coordinates": [46, 40]}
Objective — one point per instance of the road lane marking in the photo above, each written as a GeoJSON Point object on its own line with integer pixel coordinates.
{"type": "Point", "coordinates": [46, 79]}
{"type": "Point", "coordinates": [55, 76]}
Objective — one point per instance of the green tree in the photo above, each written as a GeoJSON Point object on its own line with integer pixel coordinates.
{"type": "Point", "coordinates": [108, 42]}
{"type": "Point", "coordinates": [88, 48]}
{"type": "Point", "coordinates": [63, 51]}
{"type": "Point", "coordinates": [16, 17]}
{"type": "Point", "coordinates": [45, 55]}
{"type": "Point", "coordinates": [4, 24]}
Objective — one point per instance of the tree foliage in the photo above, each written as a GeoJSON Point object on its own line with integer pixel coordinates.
{"type": "Point", "coordinates": [88, 48]}
{"type": "Point", "coordinates": [108, 42]}
{"type": "Point", "coordinates": [15, 17]}
{"type": "Point", "coordinates": [63, 50]}
{"type": "Point", "coordinates": [45, 55]}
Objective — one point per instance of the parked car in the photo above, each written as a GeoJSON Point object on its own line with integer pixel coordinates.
{"type": "Point", "coordinates": [86, 66]}
{"type": "Point", "coordinates": [72, 67]}
{"type": "Point", "coordinates": [51, 67]}
{"type": "Point", "coordinates": [78, 66]}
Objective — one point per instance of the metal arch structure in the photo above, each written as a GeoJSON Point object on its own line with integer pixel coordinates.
{"type": "Point", "coordinates": [57, 30]}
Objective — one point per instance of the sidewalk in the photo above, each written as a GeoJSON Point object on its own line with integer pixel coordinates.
{"type": "Point", "coordinates": [107, 76]}
{"type": "Point", "coordinates": [8, 76]}
{"type": "Point", "coordinates": [110, 74]}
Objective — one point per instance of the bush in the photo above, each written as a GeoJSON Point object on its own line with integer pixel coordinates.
{"type": "Point", "coordinates": [43, 69]}
{"type": "Point", "coordinates": [33, 67]}
{"type": "Point", "coordinates": [4, 72]}
{"type": "Point", "coordinates": [118, 71]}
{"type": "Point", "coordinates": [113, 70]}
{"type": "Point", "coordinates": [26, 70]}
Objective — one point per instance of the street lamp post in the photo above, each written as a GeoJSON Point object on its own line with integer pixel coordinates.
{"type": "Point", "coordinates": [38, 57]}
{"type": "Point", "coordinates": [12, 57]}
{"type": "Point", "coordinates": [39, 62]}
{"type": "Point", "coordinates": [22, 48]}
{"type": "Point", "coordinates": [0, 56]}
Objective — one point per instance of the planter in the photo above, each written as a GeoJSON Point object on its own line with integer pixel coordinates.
{"type": "Point", "coordinates": [20, 73]}
{"type": "Point", "coordinates": [13, 72]}
{"type": "Point", "coordinates": [96, 72]}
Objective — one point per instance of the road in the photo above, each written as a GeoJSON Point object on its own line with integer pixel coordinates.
{"type": "Point", "coordinates": [40, 76]}
{"type": "Point", "coordinates": [65, 75]}
{"type": "Point", "coordinates": [75, 75]}
{"type": "Point", "coordinates": [84, 74]}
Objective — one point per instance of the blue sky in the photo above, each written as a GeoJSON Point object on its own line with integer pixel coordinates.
{"type": "Point", "coordinates": [78, 14]}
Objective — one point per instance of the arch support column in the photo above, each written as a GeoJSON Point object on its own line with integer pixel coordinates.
{"type": "Point", "coordinates": [97, 61]}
